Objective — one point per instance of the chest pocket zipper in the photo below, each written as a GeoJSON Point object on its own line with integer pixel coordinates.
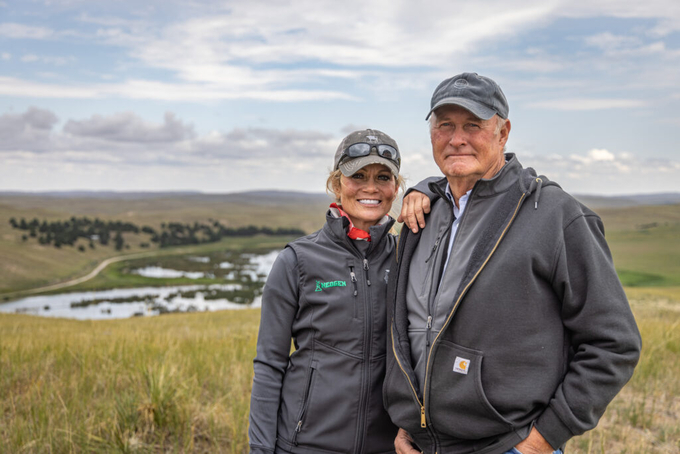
{"type": "Point", "coordinates": [305, 404]}
{"type": "Point", "coordinates": [353, 278]}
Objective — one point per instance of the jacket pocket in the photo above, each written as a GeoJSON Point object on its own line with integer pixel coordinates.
{"type": "Point", "coordinates": [307, 397]}
{"type": "Point", "coordinates": [330, 410]}
{"type": "Point", "coordinates": [456, 400]}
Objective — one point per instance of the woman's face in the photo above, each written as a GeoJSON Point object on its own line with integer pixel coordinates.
{"type": "Point", "coordinates": [367, 195]}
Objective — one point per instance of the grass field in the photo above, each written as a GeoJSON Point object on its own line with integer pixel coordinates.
{"type": "Point", "coordinates": [163, 384]}
{"type": "Point", "coordinates": [181, 382]}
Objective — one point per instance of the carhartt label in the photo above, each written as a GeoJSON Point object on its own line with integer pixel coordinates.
{"type": "Point", "coordinates": [461, 365]}
{"type": "Point", "coordinates": [320, 286]}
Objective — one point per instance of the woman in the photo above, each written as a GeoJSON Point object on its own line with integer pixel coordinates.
{"type": "Point", "coordinates": [327, 292]}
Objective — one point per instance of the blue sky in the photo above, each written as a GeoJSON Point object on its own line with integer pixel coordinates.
{"type": "Point", "coordinates": [231, 96]}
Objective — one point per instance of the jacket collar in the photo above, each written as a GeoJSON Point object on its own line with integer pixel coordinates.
{"type": "Point", "coordinates": [499, 183]}
{"type": "Point", "coordinates": [336, 228]}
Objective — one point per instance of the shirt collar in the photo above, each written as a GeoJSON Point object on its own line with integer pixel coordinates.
{"type": "Point", "coordinates": [458, 211]}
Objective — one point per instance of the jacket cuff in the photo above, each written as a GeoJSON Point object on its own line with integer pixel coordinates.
{"type": "Point", "coordinates": [424, 187]}
{"type": "Point", "coordinates": [551, 427]}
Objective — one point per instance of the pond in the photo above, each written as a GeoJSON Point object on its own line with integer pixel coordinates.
{"type": "Point", "coordinates": [245, 276]}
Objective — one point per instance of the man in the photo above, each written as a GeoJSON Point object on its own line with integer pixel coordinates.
{"type": "Point", "coordinates": [510, 330]}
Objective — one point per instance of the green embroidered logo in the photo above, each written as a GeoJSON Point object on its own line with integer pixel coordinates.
{"type": "Point", "coordinates": [322, 285]}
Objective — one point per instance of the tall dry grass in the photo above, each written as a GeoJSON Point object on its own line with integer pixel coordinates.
{"type": "Point", "coordinates": [177, 383]}
{"type": "Point", "coordinates": [181, 383]}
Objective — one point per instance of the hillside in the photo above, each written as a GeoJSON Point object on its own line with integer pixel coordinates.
{"type": "Point", "coordinates": [28, 264]}
{"type": "Point", "coordinates": [640, 234]}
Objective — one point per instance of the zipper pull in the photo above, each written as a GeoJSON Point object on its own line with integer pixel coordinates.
{"type": "Point", "coordinates": [354, 280]}
{"type": "Point", "coordinates": [368, 280]}
{"type": "Point", "coordinates": [434, 248]}
{"type": "Point", "coordinates": [423, 424]}
{"type": "Point", "coordinates": [429, 322]}
{"type": "Point", "coordinates": [297, 431]}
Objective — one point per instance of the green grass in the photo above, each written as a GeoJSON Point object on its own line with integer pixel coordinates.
{"type": "Point", "coordinates": [647, 257]}
{"type": "Point", "coordinates": [164, 384]}
{"type": "Point", "coordinates": [181, 383]}
{"type": "Point", "coordinates": [645, 416]}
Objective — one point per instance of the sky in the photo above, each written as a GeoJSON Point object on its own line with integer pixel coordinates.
{"type": "Point", "coordinates": [230, 96]}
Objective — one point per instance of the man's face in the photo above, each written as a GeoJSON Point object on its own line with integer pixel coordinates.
{"type": "Point", "coordinates": [466, 147]}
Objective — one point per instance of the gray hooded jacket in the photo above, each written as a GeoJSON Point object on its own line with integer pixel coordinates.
{"type": "Point", "coordinates": [325, 397]}
{"type": "Point", "coordinates": [529, 327]}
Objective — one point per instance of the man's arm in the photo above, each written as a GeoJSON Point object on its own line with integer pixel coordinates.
{"type": "Point", "coordinates": [604, 337]}
{"type": "Point", "coordinates": [279, 306]}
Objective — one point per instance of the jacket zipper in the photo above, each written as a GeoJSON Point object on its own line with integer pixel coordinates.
{"type": "Point", "coordinates": [298, 427]}
{"type": "Point", "coordinates": [423, 424]}
{"type": "Point", "coordinates": [368, 336]}
{"type": "Point", "coordinates": [455, 306]}
{"type": "Point", "coordinates": [423, 419]}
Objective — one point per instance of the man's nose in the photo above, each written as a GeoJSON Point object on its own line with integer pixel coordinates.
{"type": "Point", "coordinates": [458, 138]}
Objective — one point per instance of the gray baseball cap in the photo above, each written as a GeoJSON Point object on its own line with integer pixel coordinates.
{"type": "Point", "coordinates": [478, 94]}
{"type": "Point", "coordinates": [349, 165]}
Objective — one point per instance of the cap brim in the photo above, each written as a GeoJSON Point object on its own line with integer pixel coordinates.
{"type": "Point", "coordinates": [476, 108]}
{"type": "Point", "coordinates": [350, 167]}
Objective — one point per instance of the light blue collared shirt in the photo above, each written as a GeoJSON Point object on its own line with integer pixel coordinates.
{"type": "Point", "coordinates": [457, 213]}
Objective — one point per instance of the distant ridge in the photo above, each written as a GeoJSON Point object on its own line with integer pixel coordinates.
{"type": "Point", "coordinates": [621, 201]}
{"type": "Point", "coordinates": [139, 195]}
{"type": "Point", "coordinates": [261, 197]}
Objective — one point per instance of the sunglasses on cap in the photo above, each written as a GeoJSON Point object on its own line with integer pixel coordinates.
{"type": "Point", "coordinates": [358, 150]}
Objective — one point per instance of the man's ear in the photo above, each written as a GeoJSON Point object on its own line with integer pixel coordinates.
{"type": "Point", "coordinates": [504, 133]}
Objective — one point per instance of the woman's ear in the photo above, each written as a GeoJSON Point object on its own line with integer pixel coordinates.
{"type": "Point", "coordinates": [337, 189]}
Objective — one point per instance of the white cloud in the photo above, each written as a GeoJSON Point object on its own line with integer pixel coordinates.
{"type": "Point", "coordinates": [149, 89]}
{"type": "Point", "coordinates": [575, 104]}
{"type": "Point", "coordinates": [29, 58]}
{"type": "Point", "coordinates": [21, 31]}
{"type": "Point", "coordinates": [6, 56]}
{"type": "Point", "coordinates": [600, 171]}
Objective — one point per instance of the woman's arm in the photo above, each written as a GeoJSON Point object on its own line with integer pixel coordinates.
{"type": "Point", "coordinates": [279, 307]}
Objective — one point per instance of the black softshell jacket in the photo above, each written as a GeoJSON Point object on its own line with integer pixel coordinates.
{"type": "Point", "coordinates": [325, 397]}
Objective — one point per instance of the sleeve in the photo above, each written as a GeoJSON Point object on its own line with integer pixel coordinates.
{"type": "Point", "coordinates": [605, 341]}
{"type": "Point", "coordinates": [279, 308]}
{"type": "Point", "coordinates": [423, 187]}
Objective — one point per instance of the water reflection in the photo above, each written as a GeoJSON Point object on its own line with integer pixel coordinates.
{"type": "Point", "coordinates": [144, 301]}
{"type": "Point", "coordinates": [158, 272]}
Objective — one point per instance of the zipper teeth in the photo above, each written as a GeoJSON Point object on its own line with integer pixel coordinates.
{"type": "Point", "coordinates": [394, 350]}
{"type": "Point", "coordinates": [368, 333]}
{"type": "Point", "coordinates": [429, 355]}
